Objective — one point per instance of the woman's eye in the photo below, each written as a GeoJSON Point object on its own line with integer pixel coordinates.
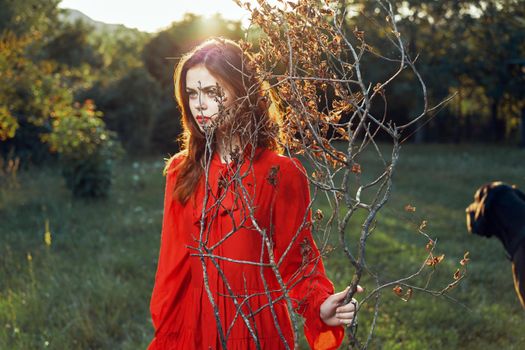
{"type": "Point", "coordinates": [192, 94]}
{"type": "Point", "coordinates": [212, 93]}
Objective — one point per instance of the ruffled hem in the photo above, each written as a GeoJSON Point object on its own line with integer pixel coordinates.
{"type": "Point", "coordinates": [187, 340]}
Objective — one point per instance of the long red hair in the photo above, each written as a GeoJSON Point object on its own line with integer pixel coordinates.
{"type": "Point", "coordinates": [233, 68]}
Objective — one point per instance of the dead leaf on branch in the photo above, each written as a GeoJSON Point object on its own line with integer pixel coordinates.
{"type": "Point", "coordinates": [359, 34]}
{"type": "Point", "coordinates": [434, 260]}
{"type": "Point", "coordinates": [356, 168]}
{"type": "Point", "coordinates": [410, 208]}
{"type": "Point", "coordinates": [272, 175]}
{"type": "Point", "coordinates": [465, 259]}
{"type": "Point", "coordinates": [398, 290]}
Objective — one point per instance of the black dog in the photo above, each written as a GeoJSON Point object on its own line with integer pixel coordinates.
{"type": "Point", "coordinates": [499, 210]}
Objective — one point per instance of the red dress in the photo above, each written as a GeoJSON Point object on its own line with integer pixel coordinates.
{"type": "Point", "coordinates": [181, 311]}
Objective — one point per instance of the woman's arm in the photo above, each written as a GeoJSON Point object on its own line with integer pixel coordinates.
{"type": "Point", "coordinates": [172, 267]}
{"type": "Point", "coordinates": [302, 268]}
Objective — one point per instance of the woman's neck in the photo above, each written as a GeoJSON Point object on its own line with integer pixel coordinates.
{"type": "Point", "coordinates": [227, 146]}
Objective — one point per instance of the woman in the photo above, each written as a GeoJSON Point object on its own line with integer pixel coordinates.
{"type": "Point", "coordinates": [236, 246]}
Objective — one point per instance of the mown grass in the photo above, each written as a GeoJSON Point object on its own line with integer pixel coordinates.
{"type": "Point", "coordinates": [90, 288]}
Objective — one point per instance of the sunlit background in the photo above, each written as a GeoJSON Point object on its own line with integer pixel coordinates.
{"type": "Point", "coordinates": [153, 15]}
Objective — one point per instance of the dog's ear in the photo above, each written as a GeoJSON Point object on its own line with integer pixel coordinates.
{"type": "Point", "coordinates": [478, 218]}
{"type": "Point", "coordinates": [472, 223]}
{"type": "Point", "coordinates": [481, 193]}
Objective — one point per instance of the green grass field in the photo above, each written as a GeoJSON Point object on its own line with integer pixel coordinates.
{"type": "Point", "coordinates": [90, 288]}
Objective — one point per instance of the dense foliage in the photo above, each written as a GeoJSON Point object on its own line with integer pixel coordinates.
{"type": "Point", "coordinates": [475, 50]}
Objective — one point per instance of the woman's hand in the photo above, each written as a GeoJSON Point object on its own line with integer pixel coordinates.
{"type": "Point", "coordinates": [333, 313]}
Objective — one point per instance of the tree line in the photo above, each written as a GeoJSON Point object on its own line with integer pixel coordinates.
{"type": "Point", "coordinates": [50, 67]}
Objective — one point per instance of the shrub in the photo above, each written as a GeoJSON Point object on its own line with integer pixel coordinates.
{"type": "Point", "coordinates": [87, 150]}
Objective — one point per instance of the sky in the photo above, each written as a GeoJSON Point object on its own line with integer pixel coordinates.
{"type": "Point", "coordinates": [153, 15]}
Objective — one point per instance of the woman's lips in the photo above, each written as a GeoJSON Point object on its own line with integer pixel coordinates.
{"type": "Point", "coordinates": [202, 119]}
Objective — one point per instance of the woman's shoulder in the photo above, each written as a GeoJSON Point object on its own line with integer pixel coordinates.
{"type": "Point", "coordinates": [287, 165]}
{"type": "Point", "coordinates": [171, 163]}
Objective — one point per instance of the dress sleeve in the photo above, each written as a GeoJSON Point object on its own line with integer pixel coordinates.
{"type": "Point", "coordinates": [302, 268]}
{"type": "Point", "coordinates": [172, 268]}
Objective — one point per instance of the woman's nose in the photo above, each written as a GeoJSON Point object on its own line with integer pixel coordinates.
{"type": "Point", "coordinates": [200, 103]}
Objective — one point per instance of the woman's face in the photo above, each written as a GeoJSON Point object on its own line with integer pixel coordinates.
{"type": "Point", "coordinates": [203, 96]}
